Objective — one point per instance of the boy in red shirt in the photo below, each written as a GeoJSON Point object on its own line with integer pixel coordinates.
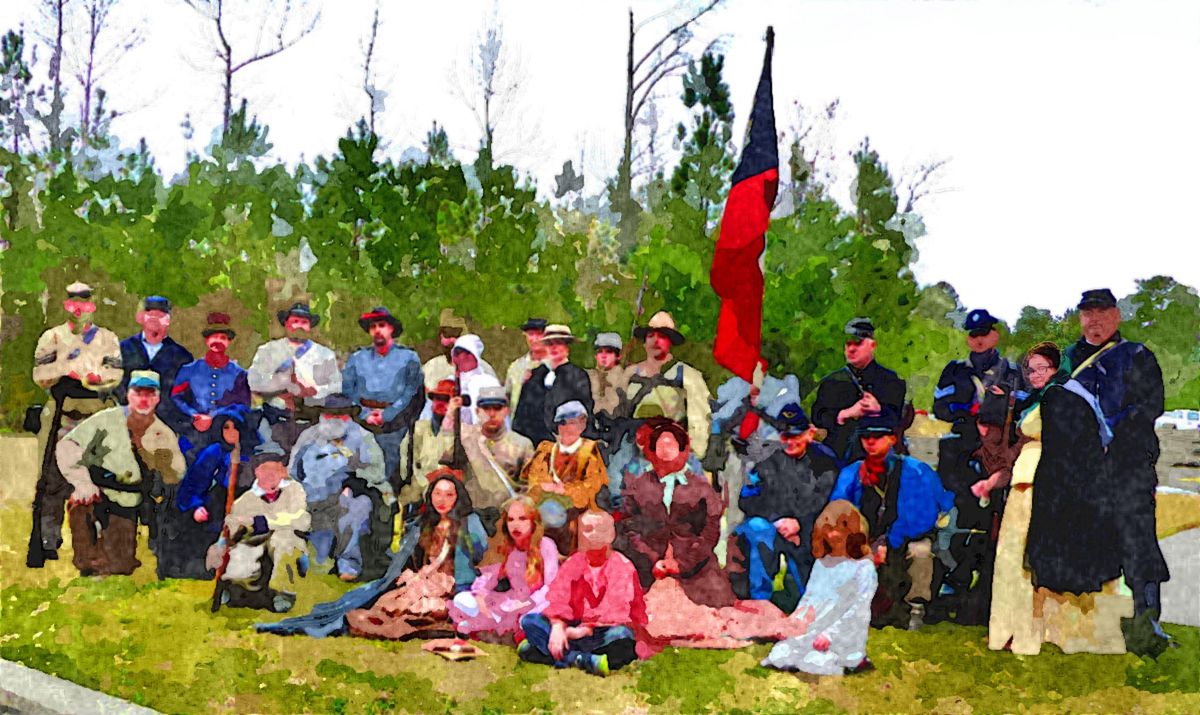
{"type": "Point", "coordinates": [595, 606]}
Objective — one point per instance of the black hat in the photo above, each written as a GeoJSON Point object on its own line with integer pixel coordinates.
{"type": "Point", "coordinates": [979, 319]}
{"type": "Point", "coordinates": [883, 423]}
{"type": "Point", "coordinates": [156, 302]}
{"type": "Point", "coordinates": [861, 328]}
{"type": "Point", "coordinates": [299, 310]}
{"type": "Point", "coordinates": [338, 404]}
{"type": "Point", "coordinates": [794, 420]}
{"type": "Point", "coordinates": [1099, 298]}
{"type": "Point", "coordinates": [535, 324]}
{"type": "Point", "coordinates": [380, 313]}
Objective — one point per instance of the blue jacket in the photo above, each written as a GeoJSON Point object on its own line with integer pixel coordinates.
{"type": "Point", "coordinates": [203, 389]}
{"type": "Point", "coordinates": [921, 499]}
{"type": "Point", "coordinates": [395, 378]}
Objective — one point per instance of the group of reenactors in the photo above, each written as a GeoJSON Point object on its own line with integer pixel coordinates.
{"type": "Point", "coordinates": [246, 465]}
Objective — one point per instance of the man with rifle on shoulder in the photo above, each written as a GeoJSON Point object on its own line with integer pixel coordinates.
{"type": "Point", "coordinates": [80, 364]}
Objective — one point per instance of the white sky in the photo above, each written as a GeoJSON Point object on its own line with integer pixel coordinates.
{"type": "Point", "coordinates": [1071, 127]}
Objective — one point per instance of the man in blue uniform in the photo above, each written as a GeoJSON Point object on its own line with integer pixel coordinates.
{"type": "Point", "coordinates": [385, 380]}
{"type": "Point", "coordinates": [903, 501]}
{"type": "Point", "coordinates": [1127, 383]}
{"type": "Point", "coordinates": [153, 349]}
{"type": "Point", "coordinates": [966, 591]}
{"type": "Point", "coordinates": [210, 387]}
{"type": "Point", "coordinates": [781, 499]}
{"type": "Point", "coordinates": [860, 389]}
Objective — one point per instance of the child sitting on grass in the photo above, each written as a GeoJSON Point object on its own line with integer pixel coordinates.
{"type": "Point", "coordinates": [837, 603]}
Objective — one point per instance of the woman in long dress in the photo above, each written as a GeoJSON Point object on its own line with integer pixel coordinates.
{"type": "Point", "coordinates": [836, 606]}
{"type": "Point", "coordinates": [1062, 529]}
{"type": "Point", "coordinates": [452, 542]}
{"type": "Point", "coordinates": [192, 512]}
{"type": "Point", "coordinates": [514, 577]}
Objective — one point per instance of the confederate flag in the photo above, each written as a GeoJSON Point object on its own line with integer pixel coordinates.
{"type": "Point", "coordinates": [737, 276]}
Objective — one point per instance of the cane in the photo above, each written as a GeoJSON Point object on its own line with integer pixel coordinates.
{"type": "Point", "coordinates": [231, 486]}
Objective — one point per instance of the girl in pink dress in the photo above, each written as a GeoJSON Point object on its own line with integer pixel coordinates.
{"type": "Point", "coordinates": [515, 575]}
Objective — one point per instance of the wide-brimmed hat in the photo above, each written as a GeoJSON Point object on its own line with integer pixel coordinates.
{"type": "Point", "coordinates": [300, 310]}
{"type": "Point", "coordinates": [447, 320]}
{"type": "Point", "coordinates": [558, 332]}
{"type": "Point", "coordinates": [219, 323]}
{"type": "Point", "coordinates": [660, 322]}
{"type": "Point", "coordinates": [338, 404]}
{"type": "Point", "coordinates": [444, 388]}
{"type": "Point", "coordinates": [380, 313]}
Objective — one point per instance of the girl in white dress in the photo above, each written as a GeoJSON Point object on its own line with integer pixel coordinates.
{"type": "Point", "coordinates": [837, 601]}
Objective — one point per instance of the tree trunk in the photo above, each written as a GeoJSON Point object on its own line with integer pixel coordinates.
{"type": "Point", "coordinates": [624, 198]}
{"type": "Point", "coordinates": [85, 120]}
{"type": "Point", "coordinates": [54, 125]}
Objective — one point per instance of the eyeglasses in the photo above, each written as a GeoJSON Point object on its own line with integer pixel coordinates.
{"type": "Point", "coordinates": [1039, 370]}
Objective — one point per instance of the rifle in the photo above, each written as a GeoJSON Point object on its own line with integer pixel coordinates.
{"type": "Point", "coordinates": [458, 454]}
{"type": "Point", "coordinates": [35, 557]}
{"type": "Point", "coordinates": [637, 315]}
{"type": "Point", "coordinates": [230, 488]}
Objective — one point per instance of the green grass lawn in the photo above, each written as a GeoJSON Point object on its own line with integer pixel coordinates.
{"type": "Point", "coordinates": [157, 644]}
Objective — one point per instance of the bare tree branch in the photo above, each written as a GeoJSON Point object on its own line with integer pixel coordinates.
{"type": "Point", "coordinates": [214, 11]}
{"type": "Point", "coordinates": [674, 30]}
{"type": "Point", "coordinates": [920, 184]}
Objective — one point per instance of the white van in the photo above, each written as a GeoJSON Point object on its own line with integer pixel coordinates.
{"type": "Point", "coordinates": [1179, 419]}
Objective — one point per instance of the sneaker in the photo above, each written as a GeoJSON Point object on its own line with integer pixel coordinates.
{"type": "Point", "coordinates": [598, 665]}
{"type": "Point", "coordinates": [523, 649]}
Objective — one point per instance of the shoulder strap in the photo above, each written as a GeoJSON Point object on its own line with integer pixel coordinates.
{"type": "Point", "coordinates": [1095, 356]}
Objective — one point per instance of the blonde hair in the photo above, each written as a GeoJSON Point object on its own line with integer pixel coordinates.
{"type": "Point", "coordinates": [502, 544]}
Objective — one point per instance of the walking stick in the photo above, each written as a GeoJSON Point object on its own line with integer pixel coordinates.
{"type": "Point", "coordinates": [230, 487]}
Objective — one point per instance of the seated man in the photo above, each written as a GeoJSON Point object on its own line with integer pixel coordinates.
{"type": "Point", "coordinates": [110, 460]}
{"type": "Point", "coordinates": [566, 476]}
{"type": "Point", "coordinates": [267, 553]}
{"type": "Point", "coordinates": [595, 607]}
{"type": "Point", "coordinates": [340, 464]}
{"type": "Point", "coordinates": [427, 442]}
{"type": "Point", "coordinates": [903, 501]}
{"type": "Point", "coordinates": [495, 454]}
{"type": "Point", "coordinates": [781, 499]}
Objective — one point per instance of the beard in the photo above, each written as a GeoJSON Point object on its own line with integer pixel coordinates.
{"type": "Point", "coordinates": [331, 429]}
{"type": "Point", "coordinates": [299, 336]}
